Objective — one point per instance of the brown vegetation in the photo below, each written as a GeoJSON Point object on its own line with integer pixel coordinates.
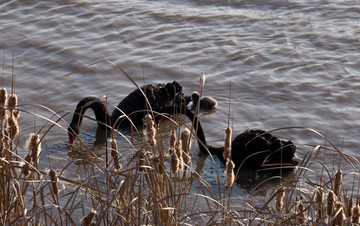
{"type": "Point", "coordinates": [156, 186]}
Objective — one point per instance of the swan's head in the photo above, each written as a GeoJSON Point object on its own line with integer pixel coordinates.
{"type": "Point", "coordinates": [173, 88]}
{"type": "Point", "coordinates": [73, 131]}
{"type": "Point", "coordinates": [195, 97]}
{"type": "Point", "coordinates": [296, 160]}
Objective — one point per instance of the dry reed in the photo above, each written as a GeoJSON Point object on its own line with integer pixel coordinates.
{"type": "Point", "coordinates": [172, 138]}
{"type": "Point", "coordinates": [3, 103]}
{"type": "Point", "coordinates": [123, 196]}
{"type": "Point", "coordinates": [279, 200]}
{"type": "Point", "coordinates": [229, 173]}
{"type": "Point", "coordinates": [355, 214]}
{"type": "Point", "coordinates": [33, 145]}
{"type": "Point", "coordinates": [179, 153]}
{"type": "Point", "coordinates": [54, 181]}
{"type": "Point", "coordinates": [150, 130]}
{"type": "Point", "coordinates": [114, 154]}
{"type": "Point", "coordinates": [318, 200]}
{"type": "Point", "coordinates": [25, 168]}
{"type": "Point", "coordinates": [227, 143]}
{"type": "Point", "coordinates": [88, 219]}
{"type": "Point", "coordinates": [338, 183]}
{"type": "Point", "coordinates": [174, 161]}
{"type": "Point", "coordinates": [12, 127]}
{"type": "Point", "coordinates": [186, 143]}
{"type": "Point", "coordinates": [300, 212]}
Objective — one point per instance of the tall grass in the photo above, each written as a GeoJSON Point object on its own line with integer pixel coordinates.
{"type": "Point", "coordinates": [158, 185]}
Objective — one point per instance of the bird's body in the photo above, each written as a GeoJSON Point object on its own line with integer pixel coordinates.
{"type": "Point", "coordinates": [135, 106]}
{"type": "Point", "coordinates": [254, 149]}
{"type": "Point", "coordinates": [207, 103]}
{"type": "Point", "coordinates": [259, 149]}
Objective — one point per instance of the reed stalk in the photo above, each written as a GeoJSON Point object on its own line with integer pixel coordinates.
{"type": "Point", "coordinates": [146, 188]}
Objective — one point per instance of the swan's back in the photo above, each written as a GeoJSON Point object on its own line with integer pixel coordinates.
{"type": "Point", "coordinates": [159, 97]}
{"type": "Point", "coordinates": [256, 148]}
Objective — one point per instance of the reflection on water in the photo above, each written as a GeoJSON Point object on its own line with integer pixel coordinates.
{"type": "Point", "coordinates": [254, 180]}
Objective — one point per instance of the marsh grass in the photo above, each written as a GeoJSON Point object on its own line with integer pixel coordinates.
{"type": "Point", "coordinates": [143, 189]}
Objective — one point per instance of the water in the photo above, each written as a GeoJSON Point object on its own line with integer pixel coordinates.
{"type": "Point", "coordinates": [290, 63]}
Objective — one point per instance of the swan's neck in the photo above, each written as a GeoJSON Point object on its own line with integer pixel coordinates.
{"type": "Point", "coordinates": [101, 114]}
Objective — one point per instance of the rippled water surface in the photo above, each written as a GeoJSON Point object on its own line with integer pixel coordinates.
{"type": "Point", "coordinates": [290, 64]}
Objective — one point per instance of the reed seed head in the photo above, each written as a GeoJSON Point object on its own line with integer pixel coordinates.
{"type": "Point", "coordinates": [301, 212]}
{"type": "Point", "coordinates": [227, 143]}
{"type": "Point", "coordinates": [87, 220]}
{"type": "Point", "coordinates": [150, 130]}
{"type": "Point", "coordinates": [54, 181]}
{"type": "Point", "coordinates": [117, 164]}
{"type": "Point", "coordinates": [319, 195]}
{"type": "Point", "coordinates": [338, 182]}
{"type": "Point", "coordinates": [318, 199]}
{"type": "Point", "coordinates": [12, 127]}
{"type": "Point", "coordinates": [33, 145]}
{"type": "Point", "coordinates": [158, 164]}
{"type": "Point", "coordinates": [349, 205]}
{"type": "Point", "coordinates": [186, 143]}
{"type": "Point", "coordinates": [16, 113]}
{"type": "Point", "coordinates": [185, 140]}
{"type": "Point", "coordinates": [114, 154]}
{"type": "Point", "coordinates": [3, 141]}
{"type": "Point", "coordinates": [2, 148]}
{"type": "Point", "coordinates": [174, 163]}
{"type": "Point", "coordinates": [28, 158]}
{"type": "Point", "coordinates": [1, 133]}
{"type": "Point", "coordinates": [229, 173]}
{"type": "Point", "coordinates": [186, 158]}
{"type": "Point", "coordinates": [171, 150]}
{"type": "Point", "coordinates": [3, 100]}
{"type": "Point", "coordinates": [330, 203]}
{"type": "Point", "coordinates": [3, 113]}
{"type": "Point", "coordinates": [172, 138]}
{"type": "Point", "coordinates": [179, 153]}
{"type": "Point", "coordinates": [12, 102]}
{"type": "Point", "coordinates": [279, 199]}
{"type": "Point", "coordinates": [355, 218]}
{"type": "Point", "coordinates": [25, 168]}
{"type": "Point", "coordinates": [3, 97]}
{"type": "Point", "coordinates": [142, 159]}
{"type": "Point", "coordinates": [339, 220]}
{"type": "Point", "coordinates": [114, 148]}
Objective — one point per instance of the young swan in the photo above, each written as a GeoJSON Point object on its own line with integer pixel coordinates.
{"type": "Point", "coordinates": [206, 103]}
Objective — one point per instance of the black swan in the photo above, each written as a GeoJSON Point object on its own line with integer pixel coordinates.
{"type": "Point", "coordinates": [206, 103]}
{"type": "Point", "coordinates": [160, 96]}
{"type": "Point", "coordinates": [255, 149]}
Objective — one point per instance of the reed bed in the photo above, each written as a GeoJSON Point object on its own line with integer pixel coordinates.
{"type": "Point", "coordinates": [158, 185]}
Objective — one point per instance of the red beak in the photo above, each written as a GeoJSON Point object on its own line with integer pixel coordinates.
{"type": "Point", "coordinates": [162, 118]}
{"type": "Point", "coordinates": [71, 140]}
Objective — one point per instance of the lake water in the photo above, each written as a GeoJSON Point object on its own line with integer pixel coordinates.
{"type": "Point", "coordinates": [290, 64]}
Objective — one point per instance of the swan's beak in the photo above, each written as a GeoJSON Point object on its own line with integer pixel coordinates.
{"type": "Point", "coordinates": [71, 140]}
{"type": "Point", "coordinates": [162, 118]}
{"type": "Point", "coordinates": [296, 159]}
